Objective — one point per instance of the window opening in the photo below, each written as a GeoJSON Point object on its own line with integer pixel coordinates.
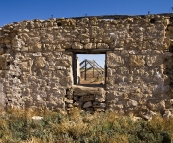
{"type": "Point", "coordinates": [90, 69]}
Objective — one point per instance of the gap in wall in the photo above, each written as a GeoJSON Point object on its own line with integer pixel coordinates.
{"type": "Point", "coordinates": [91, 69]}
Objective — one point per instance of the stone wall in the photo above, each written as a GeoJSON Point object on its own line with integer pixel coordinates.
{"type": "Point", "coordinates": [36, 63]}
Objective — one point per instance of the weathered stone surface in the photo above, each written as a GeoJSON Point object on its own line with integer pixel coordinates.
{"type": "Point", "coordinates": [99, 105]}
{"type": "Point", "coordinates": [136, 60]}
{"type": "Point", "coordinates": [40, 62]}
{"type": "Point", "coordinates": [90, 46]}
{"type": "Point", "coordinates": [114, 59]}
{"type": "Point", "coordinates": [77, 45]}
{"type": "Point", "coordinates": [87, 104]}
{"type": "Point", "coordinates": [148, 115]}
{"type": "Point", "coordinates": [155, 105]}
{"type": "Point", "coordinates": [132, 103]}
{"type": "Point", "coordinates": [167, 114]}
{"type": "Point", "coordinates": [66, 81]}
{"type": "Point", "coordinates": [154, 60]}
{"type": "Point", "coordinates": [37, 64]}
{"type": "Point", "coordinates": [2, 100]}
{"type": "Point", "coordinates": [3, 63]}
{"type": "Point", "coordinates": [87, 98]}
{"type": "Point", "coordinates": [102, 46]}
{"type": "Point", "coordinates": [109, 72]}
{"type": "Point", "coordinates": [83, 91]}
{"type": "Point", "coordinates": [36, 118]}
{"type": "Point", "coordinates": [170, 28]}
{"type": "Point", "coordinates": [17, 43]}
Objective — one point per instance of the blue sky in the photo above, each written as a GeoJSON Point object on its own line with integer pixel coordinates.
{"type": "Point", "coordinates": [18, 10]}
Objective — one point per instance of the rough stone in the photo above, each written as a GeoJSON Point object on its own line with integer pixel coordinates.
{"type": "Point", "coordinates": [102, 46]}
{"type": "Point", "coordinates": [136, 60]}
{"type": "Point", "coordinates": [90, 46]}
{"type": "Point", "coordinates": [37, 64]}
{"type": "Point", "coordinates": [77, 45]}
{"type": "Point", "coordinates": [87, 104]}
{"type": "Point", "coordinates": [167, 114]}
{"type": "Point", "coordinates": [2, 101]}
{"type": "Point", "coordinates": [37, 118]}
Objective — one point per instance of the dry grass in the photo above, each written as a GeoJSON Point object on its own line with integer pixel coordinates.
{"type": "Point", "coordinates": [16, 126]}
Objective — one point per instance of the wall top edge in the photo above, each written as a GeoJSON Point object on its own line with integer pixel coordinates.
{"type": "Point", "coordinates": [102, 17]}
{"type": "Point", "coordinates": [120, 16]}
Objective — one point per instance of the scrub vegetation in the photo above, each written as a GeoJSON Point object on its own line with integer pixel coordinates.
{"type": "Point", "coordinates": [17, 126]}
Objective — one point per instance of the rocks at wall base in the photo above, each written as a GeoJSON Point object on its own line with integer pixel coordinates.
{"type": "Point", "coordinates": [87, 104]}
{"type": "Point", "coordinates": [88, 98]}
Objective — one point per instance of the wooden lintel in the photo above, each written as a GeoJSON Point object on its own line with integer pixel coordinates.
{"type": "Point", "coordinates": [89, 51]}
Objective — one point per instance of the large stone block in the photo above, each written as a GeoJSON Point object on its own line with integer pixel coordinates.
{"type": "Point", "coordinates": [90, 46]}
{"type": "Point", "coordinates": [87, 98]}
{"type": "Point", "coordinates": [17, 43]}
{"type": "Point", "coordinates": [66, 45]}
{"type": "Point", "coordinates": [102, 46]}
{"type": "Point", "coordinates": [87, 104]}
{"type": "Point", "coordinates": [156, 105]}
{"type": "Point", "coordinates": [99, 105]}
{"type": "Point", "coordinates": [95, 31]}
{"type": "Point", "coordinates": [64, 62]}
{"type": "Point", "coordinates": [77, 45]}
{"type": "Point", "coordinates": [136, 60]}
{"type": "Point", "coordinates": [40, 62]}
{"type": "Point", "coordinates": [154, 60]}
{"type": "Point", "coordinates": [84, 91]}
{"type": "Point", "coordinates": [132, 103]}
{"type": "Point", "coordinates": [107, 39]}
{"type": "Point", "coordinates": [24, 66]}
{"type": "Point", "coordinates": [109, 72]}
{"type": "Point", "coordinates": [114, 59]}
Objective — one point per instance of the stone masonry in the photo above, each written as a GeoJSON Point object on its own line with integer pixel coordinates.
{"type": "Point", "coordinates": [37, 66]}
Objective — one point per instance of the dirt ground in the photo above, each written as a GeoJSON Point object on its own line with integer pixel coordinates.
{"type": "Point", "coordinates": [96, 79]}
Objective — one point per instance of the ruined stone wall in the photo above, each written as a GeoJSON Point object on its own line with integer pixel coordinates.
{"type": "Point", "coordinates": [36, 63]}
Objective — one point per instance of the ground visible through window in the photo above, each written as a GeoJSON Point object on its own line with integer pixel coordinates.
{"type": "Point", "coordinates": [91, 69]}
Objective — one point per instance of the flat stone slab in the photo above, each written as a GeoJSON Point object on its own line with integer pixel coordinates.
{"type": "Point", "coordinates": [83, 91]}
